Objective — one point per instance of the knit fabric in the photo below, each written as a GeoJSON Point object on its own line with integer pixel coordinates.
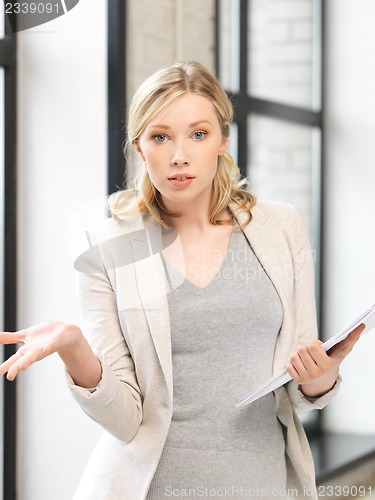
{"type": "Point", "coordinates": [223, 342]}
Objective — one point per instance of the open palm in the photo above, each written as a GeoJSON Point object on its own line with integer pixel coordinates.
{"type": "Point", "coordinates": [38, 342]}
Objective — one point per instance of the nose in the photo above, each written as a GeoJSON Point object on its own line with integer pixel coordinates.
{"type": "Point", "coordinates": [179, 156]}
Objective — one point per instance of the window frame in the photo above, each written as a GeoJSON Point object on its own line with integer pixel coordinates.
{"type": "Point", "coordinates": [8, 60]}
{"type": "Point", "coordinates": [116, 94]}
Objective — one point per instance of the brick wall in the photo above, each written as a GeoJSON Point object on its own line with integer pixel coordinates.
{"type": "Point", "coordinates": [281, 59]}
{"type": "Point", "coordinates": [160, 33]}
{"type": "Point", "coordinates": [281, 50]}
{"type": "Point", "coordinates": [281, 162]}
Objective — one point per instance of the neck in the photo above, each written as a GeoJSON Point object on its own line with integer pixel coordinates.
{"type": "Point", "coordinates": [196, 220]}
{"type": "Point", "coordinates": [193, 213]}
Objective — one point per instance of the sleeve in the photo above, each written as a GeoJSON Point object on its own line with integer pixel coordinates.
{"type": "Point", "coordinates": [303, 404]}
{"type": "Point", "coordinates": [304, 308]}
{"type": "Point", "coordinates": [116, 402]}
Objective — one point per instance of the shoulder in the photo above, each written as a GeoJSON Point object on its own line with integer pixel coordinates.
{"type": "Point", "coordinates": [270, 213]}
{"type": "Point", "coordinates": [109, 242]}
{"type": "Point", "coordinates": [286, 220]}
{"type": "Point", "coordinates": [113, 226]}
{"type": "Point", "coordinates": [282, 219]}
{"type": "Point", "coordinates": [284, 215]}
{"type": "Point", "coordinates": [264, 210]}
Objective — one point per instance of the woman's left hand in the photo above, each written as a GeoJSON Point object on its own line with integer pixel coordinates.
{"type": "Point", "coordinates": [316, 370]}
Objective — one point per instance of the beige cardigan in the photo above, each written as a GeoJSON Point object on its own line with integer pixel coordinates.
{"type": "Point", "coordinates": [124, 303]}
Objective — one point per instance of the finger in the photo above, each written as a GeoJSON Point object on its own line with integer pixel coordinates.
{"type": "Point", "coordinates": [20, 360]}
{"type": "Point", "coordinates": [7, 338]}
{"type": "Point", "coordinates": [292, 371]}
{"type": "Point", "coordinates": [23, 362]}
{"type": "Point", "coordinates": [343, 348]}
{"type": "Point", "coordinates": [359, 329]}
{"type": "Point", "coordinates": [310, 355]}
{"type": "Point", "coordinates": [297, 371]}
{"type": "Point", "coordinates": [309, 362]}
{"type": "Point", "coordinates": [356, 333]}
{"type": "Point", "coordinates": [4, 367]}
{"type": "Point", "coordinates": [13, 371]}
{"type": "Point", "coordinates": [296, 367]}
{"type": "Point", "coordinates": [318, 355]}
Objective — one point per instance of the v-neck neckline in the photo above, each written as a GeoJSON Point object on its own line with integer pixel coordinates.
{"type": "Point", "coordinates": [177, 277]}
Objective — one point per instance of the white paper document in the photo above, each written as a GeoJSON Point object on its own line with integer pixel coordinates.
{"type": "Point", "coordinates": [368, 318]}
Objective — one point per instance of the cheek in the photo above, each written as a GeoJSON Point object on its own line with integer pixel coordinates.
{"type": "Point", "coordinates": [155, 154]}
{"type": "Point", "coordinates": [150, 159]}
{"type": "Point", "coordinates": [212, 158]}
{"type": "Point", "coordinates": [154, 172]}
{"type": "Point", "coordinates": [214, 151]}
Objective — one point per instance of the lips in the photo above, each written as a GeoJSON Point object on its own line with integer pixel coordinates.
{"type": "Point", "coordinates": [180, 177]}
{"type": "Point", "coordinates": [181, 180]}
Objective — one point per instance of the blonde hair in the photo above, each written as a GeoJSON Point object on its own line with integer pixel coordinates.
{"type": "Point", "coordinates": [154, 95]}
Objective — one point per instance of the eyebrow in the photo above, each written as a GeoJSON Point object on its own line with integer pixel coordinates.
{"type": "Point", "coordinates": [194, 124]}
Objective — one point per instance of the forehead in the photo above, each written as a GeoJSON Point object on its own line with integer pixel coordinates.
{"type": "Point", "coordinates": [186, 108]}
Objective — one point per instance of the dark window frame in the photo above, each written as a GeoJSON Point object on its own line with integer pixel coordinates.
{"type": "Point", "coordinates": [116, 94]}
{"type": "Point", "coordinates": [8, 60]}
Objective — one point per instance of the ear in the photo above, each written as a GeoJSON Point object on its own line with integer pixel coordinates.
{"type": "Point", "coordinates": [224, 145]}
{"type": "Point", "coordinates": [139, 150]}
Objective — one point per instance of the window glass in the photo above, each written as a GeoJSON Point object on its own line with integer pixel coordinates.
{"type": "Point", "coordinates": [283, 51]}
{"type": "Point", "coordinates": [233, 142]}
{"type": "Point", "coordinates": [229, 15]}
{"type": "Point", "coordinates": [282, 163]}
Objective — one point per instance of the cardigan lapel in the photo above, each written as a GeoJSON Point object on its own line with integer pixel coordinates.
{"type": "Point", "coordinates": [271, 249]}
{"type": "Point", "coordinates": [152, 290]}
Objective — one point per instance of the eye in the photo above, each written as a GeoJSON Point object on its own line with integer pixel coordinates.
{"type": "Point", "coordinates": [199, 135]}
{"type": "Point", "coordinates": [159, 137]}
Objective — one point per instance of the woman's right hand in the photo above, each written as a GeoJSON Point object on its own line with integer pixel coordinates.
{"type": "Point", "coordinates": [44, 339]}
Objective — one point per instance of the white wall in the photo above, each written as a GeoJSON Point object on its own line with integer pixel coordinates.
{"type": "Point", "coordinates": [350, 206]}
{"type": "Point", "coordinates": [62, 166]}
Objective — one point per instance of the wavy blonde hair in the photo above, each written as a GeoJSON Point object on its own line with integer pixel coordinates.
{"type": "Point", "coordinates": [154, 95]}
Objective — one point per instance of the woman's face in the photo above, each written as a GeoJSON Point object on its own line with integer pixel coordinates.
{"type": "Point", "coordinates": [181, 146]}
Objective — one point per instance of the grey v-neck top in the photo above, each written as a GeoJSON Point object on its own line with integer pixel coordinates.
{"type": "Point", "coordinates": [223, 341]}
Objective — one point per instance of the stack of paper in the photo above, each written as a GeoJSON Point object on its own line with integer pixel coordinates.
{"type": "Point", "coordinates": [368, 318]}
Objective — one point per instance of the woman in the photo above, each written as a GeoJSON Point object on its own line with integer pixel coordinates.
{"type": "Point", "coordinates": [192, 292]}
